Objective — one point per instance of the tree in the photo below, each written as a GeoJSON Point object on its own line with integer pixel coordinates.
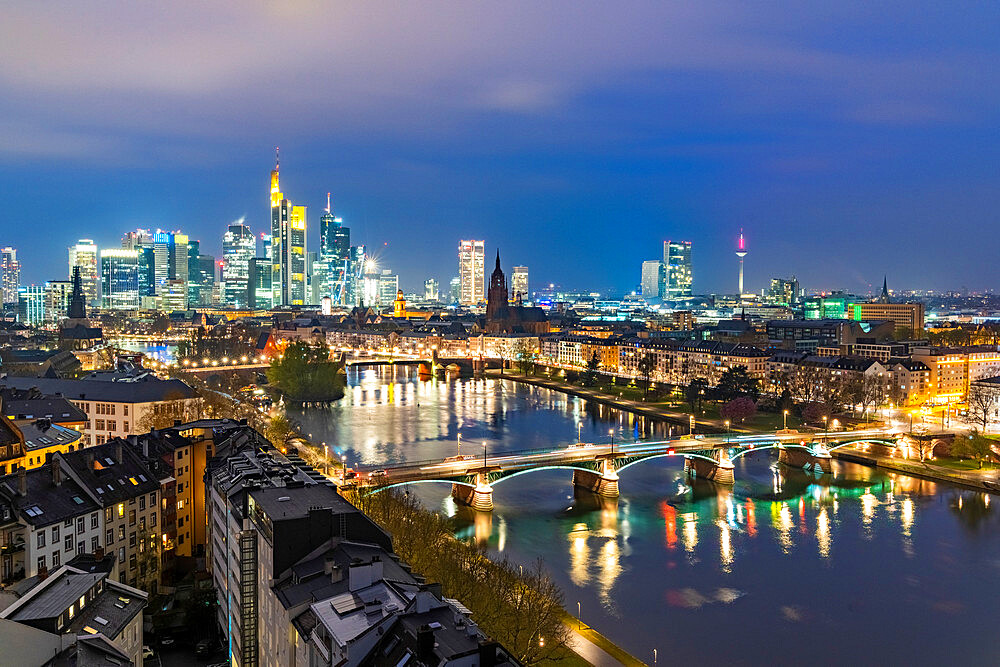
{"type": "Point", "coordinates": [647, 362]}
{"type": "Point", "coordinates": [694, 393]}
{"type": "Point", "coordinates": [173, 408]}
{"type": "Point", "coordinates": [589, 377]}
{"type": "Point", "coordinates": [305, 373]}
{"type": "Point", "coordinates": [735, 382]}
{"type": "Point", "coordinates": [739, 409]}
{"type": "Point", "coordinates": [982, 401]}
{"type": "Point", "coordinates": [524, 356]}
{"type": "Point", "coordinates": [814, 412]}
{"type": "Point", "coordinates": [975, 446]}
{"type": "Point", "coordinates": [873, 393]}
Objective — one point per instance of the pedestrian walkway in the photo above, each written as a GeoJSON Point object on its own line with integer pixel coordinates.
{"type": "Point", "coordinates": [588, 650]}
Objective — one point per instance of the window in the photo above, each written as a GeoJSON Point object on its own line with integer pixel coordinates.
{"type": "Point", "coordinates": [98, 425]}
{"type": "Point", "coordinates": [40, 539]}
{"type": "Point", "coordinates": [81, 547]}
{"type": "Point", "coordinates": [152, 519]}
{"type": "Point", "coordinates": [109, 537]}
{"type": "Point", "coordinates": [125, 426]}
{"type": "Point", "coordinates": [94, 543]}
{"type": "Point", "coordinates": [142, 524]}
{"type": "Point", "coordinates": [142, 503]}
{"type": "Point", "coordinates": [121, 532]}
{"type": "Point", "coordinates": [121, 554]}
{"type": "Point", "coordinates": [112, 425]}
{"type": "Point", "coordinates": [180, 504]}
{"type": "Point", "coordinates": [41, 562]}
{"type": "Point", "coordinates": [131, 539]}
{"type": "Point", "coordinates": [152, 500]}
{"type": "Point", "coordinates": [180, 487]}
{"type": "Point", "coordinates": [108, 514]}
{"type": "Point", "coordinates": [121, 510]}
{"type": "Point", "coordinates": [125, 412]}
{"type": "Point", "coordinates": [131, 562]}
{"type": "Point", "coordinates": [131, 517]}
{"type": "Point", "coordinates": [180, 522]}
{"type": "Point", "coordinates": [68, 543]}
{"type": "Point", "coordinates": [93, 520]}
{"type": "Point", "coordinates": [180, 539]}
{"type": "Point", "coordinates": [55, 558]}
{"type": "Point", "coordinates": [55, 534]}
{"type": "Point", "coordinates": [81, 524]}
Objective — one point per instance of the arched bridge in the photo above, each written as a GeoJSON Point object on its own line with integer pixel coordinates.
{"type": "Point", "coordinates": [596, 466]}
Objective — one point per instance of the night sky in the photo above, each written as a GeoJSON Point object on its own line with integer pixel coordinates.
{"type": "Point", "coordinates": [848, 139]}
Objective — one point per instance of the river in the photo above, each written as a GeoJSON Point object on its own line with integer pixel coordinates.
{"type": "Point", "coordinates": [784, 567]}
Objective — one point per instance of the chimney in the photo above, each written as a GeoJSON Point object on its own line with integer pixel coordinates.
{"type": "Point", "coordinates": [22, 481]}
{"type": "Point", "coordinates": [119, 455]}
{"type": "Point", "coordinates": [99, 553]}
{"type": "Point", "coordinates": [43, 573]}
{"type": "Point", "coordinates": [425, 644]}
{"type": "Point", "coordinates": [56, 470]}
{"type": "Point", "coordinates": [359, 576]}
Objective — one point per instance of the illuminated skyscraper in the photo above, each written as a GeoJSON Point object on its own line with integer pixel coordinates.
{"type": "Point", "coordinates": [471, 272]}
{"type": "Point", "coordinates": [677, 262]}
{"type": "Point", "coordinates": [239, 246]}
{"type": "Point", "coordinates": [84, 255]}
{"type": "Point", "coordinates": [334, 254]}
{"type": "Point", "coordinates": [119, 279]}
{"type": "Point", "coordinates": [431, 289]}
{"type": "Point", "coordinates": [10, 275]}
{"type": "Point", "coordinates": [653, 279]}
{"type": "Point", "coordinates": [519, 283]}
{"type": "Point", "coordinates": [288, 247]}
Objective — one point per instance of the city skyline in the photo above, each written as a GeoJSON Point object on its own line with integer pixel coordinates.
{"type": "Point", "coordinates": [790, 123]}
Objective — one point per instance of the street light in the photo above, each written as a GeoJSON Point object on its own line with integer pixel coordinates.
{"type": "Point", "coordinates": [826, 428]}
{"type": "Point", "coordinates": [484, 457]}
{"type": "Point", "coordinates": [728, 431]}
{"type": "Point", "coordinates": [579, 616]}
{"type": "Point", "coordinates": [611, 432]}
{"type": "Point", "coordinates": [784, 424]}
{"type": "Point", "coordinates": [579, 425]}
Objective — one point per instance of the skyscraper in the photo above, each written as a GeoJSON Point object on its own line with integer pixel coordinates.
{"type": "Point", "coordinates": [388, 285]}
{"type": "Point", "coordinates": [10, 275]}
{"type": "Point", "coordinates": [31, 305]}
{"type": "Point", "coordinates": [653, 279]}
{"type": "Point", "coordinates": [239, 246]}
{"type": "Point", "coordinates": [84, 255]}
{"type": "Point", "coordinates": [334, 253]}
{"type": "Point", "coordinates": [431, 289]}
{"type": "Point", "coordinates": [120, 279]}
{"type": "Point", "coordinates": [471, 272]}
{"type": "Point", "coordinates": [288, 247]}
{"type": "Point", "coordinates": [519, 283]}
{"type": "Point", "coordinates": [677, 261]}
{"type": "Point", "coordinates": [57, 294]}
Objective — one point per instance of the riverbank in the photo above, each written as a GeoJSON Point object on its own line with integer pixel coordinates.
{"type": "Point", "coordinates": [977, 480]}
{"type": "Point", "coordinates": [654, 412]}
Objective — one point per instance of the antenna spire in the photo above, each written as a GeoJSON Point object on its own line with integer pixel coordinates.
{"type": "Point", "coordinates": [327, 202]}
{"type": "Point", "coordinates": [277, 159]}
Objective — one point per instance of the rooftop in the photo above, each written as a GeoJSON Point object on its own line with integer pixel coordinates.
{"type": "Point", "coordinates": [147, 391]}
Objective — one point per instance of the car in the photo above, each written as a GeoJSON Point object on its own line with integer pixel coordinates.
{"type": "Point", "coordinates": [147, 653]}
{"type": "Point", "coordinates": [378, 473]}
{"type": "Point", "coordinates": [204, 648]}
{"type": "Point", "coordinates": [166, 641]}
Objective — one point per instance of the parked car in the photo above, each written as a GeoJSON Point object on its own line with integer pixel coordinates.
{"type": "Point", "coordinates": [204, 648]}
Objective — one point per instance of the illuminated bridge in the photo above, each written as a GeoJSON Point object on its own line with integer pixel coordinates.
{"type": "Point", "coordinates": [596, 467]}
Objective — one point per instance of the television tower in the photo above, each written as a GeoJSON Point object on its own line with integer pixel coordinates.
{"type": "Point", "coordinates": [741, 252]}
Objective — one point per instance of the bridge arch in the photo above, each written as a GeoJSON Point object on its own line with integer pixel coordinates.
{"type": "Point", "coordinates": [683, 455]}
{"type": "Point", "coordinates": [376, 489]}
{"type": "Point", "coordinates": [772, 445]}
{"type": "Point", "coordinates": [538, 469]}
{"type": "Point", "coordinates": [872, 441]}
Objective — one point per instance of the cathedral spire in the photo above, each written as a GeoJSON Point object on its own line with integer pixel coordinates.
{"type": "Point", "coordinates": [884, 296]}
{"type": "Point", "coordinates": [498, 260]}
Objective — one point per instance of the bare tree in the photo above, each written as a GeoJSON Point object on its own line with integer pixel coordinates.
{"type": "Point", "coordinates": [982, 402]}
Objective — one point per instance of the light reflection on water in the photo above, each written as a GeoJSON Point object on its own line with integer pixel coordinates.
{"type": "Point", "coordinates": [780, 566]}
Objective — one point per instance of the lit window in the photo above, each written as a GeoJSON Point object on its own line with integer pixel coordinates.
{"type": "Point", "coordinates": [121, 510]}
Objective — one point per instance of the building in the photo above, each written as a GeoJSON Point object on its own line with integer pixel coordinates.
{"type": "Point", "coordinates": [239, 246]}
{"type": "Point", "coordinates": [84, 256]}
{"type": "Point", "coordinates": [119, 279]}
{"type": "Point", "coordinates": [201, 276]}
{"type": "Point", "coordinates": [653, 285]}
{"type": "Point", "coordinates": [471, 272]}
{"type": "Point", "coordinates": [388, 286]}
{"type": "Point", "coordinates": [908, 318]}
{"type": "Point", "coordinates": [31, 305]}
{"type": "Point", "coordinates": [10, 275]}
{"type": "Point", "coordinates": [81, 618]}
{"type": "Point", "coordinates": [288, 247]}
{"type": "Point", "coordinates": [519, 285]}
{"type": "Point", "coordinates": [335, 254]}
{"type": "Point", "coordinates": [808, 335]}
{"type": "Point", "coordinates": [679, 274]}
{"type": "Point", "coordinates": [784, 292]}
{"type": "Point", "coordinates": [953, 369]}
{"type": "Point", "coordinates": [117, 480]}
{"type": "Point", "coordinates": [431, 292]}
{"type": "Point", "coordinates": [119, 408]}
{"type": "Point", "coordinates": [75, 332]}
{"type": "Point", "coordinates": [834, 306]}
{"type": "Point", "coordinates": [502, 317]}
{"type": "Point", "coordinates": [57, 297]}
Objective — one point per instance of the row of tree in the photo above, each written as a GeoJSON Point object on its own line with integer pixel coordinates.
{"type": "Point", "coordinates": [307, 373]}
{"type": "Point", "coordinates": [520, 608]}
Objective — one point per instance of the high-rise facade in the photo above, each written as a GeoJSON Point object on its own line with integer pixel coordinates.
{"type": "Point", "coordinates": [259, 292]}
{"type": "Point", "coordinates": [288, 248]}
{"type": "Point", "coordinates": [388, 285]}
{"type": "Point", "coordinates": [31, 305]}
{"type": "Point", "coordinates": [471, 272]}
{"type": "Point", "coordinates": [120, 279]}
{"type": "Point", "coordinates": [519, 283]}
{"type": "Point", "coordinates": [653, 279]}
{"type": "Point", "coordinates": [784, 291]}
{"type": "Point", "coordinates": [201, 276]}
{"type": "Point", "coordinates": [10, 275]}
{"type": "Point", "coordinates": [334, 254]}
{"type": "Point", "coordinates": [431, 289]}
{"type": "Point", "coordinates": [677, 262]}
{"type": "Point", "coordinates": [57, 295]}
{"type": "Point", "coordinates": [239, 246]}
{"type": "Point", "coordinates": [84, 255]}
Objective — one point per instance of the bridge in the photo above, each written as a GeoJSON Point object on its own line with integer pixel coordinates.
{"type": "Point", "coordinates": [596, 467]}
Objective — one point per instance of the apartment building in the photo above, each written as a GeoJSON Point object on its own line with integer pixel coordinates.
{"type": "Point", "coordinates": [952, 369]}
{"type": "Point", "coordinates": [118, 406]}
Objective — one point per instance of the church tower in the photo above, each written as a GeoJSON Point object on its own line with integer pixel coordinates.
{"type": "Point", "coordinates": [496, 296]}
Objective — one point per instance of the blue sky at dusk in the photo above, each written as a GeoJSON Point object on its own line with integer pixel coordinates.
{"type": "Point", "coordinates": [848, 139]}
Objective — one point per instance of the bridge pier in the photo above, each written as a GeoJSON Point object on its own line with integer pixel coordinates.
{"type": "Point", "coordinates": [720, 471]}
{"type": "Point", "coordinates": [603, 483]}
{"type": "Point", "coordinates": [816, 459]}
{"type": "Point", "coordinates": [479, 497]}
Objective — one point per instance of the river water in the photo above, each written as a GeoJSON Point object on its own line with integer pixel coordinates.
{"type": "Point", "coordinates": [784, 567]}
